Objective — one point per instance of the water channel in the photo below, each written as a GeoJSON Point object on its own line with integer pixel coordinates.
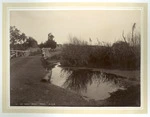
{"type": "Point", "coordinates": [90, 84]}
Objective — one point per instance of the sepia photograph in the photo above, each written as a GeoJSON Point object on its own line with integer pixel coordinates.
{"type": "Point", "coordinates": [76, 57]}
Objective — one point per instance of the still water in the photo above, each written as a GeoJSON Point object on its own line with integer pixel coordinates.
{"type": "Point", "coordinates": [95, 85]}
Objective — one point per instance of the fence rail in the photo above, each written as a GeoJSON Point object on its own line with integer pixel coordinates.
{"type": "Point", "coordinates": [19, 53]}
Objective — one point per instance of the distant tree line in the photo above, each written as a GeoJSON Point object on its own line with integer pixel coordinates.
{"type": "Point", "coordinates": [20, 41]}
{"type": "Point", "coordinates": [50, 43]}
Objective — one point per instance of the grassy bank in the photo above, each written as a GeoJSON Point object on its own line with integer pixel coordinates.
{"type": "Point", "coordinates": [119, 55]}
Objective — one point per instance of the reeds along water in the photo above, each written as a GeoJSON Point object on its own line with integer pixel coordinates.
{"type": "Point", "coordinates": [120, 55]}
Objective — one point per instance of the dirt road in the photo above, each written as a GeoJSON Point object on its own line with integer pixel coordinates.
{"type": "Point", "coordinates": [26, 87]}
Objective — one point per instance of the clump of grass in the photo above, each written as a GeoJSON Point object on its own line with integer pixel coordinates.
{"type": "Point", "coordinates": [125, 56]}
{"type": "Point", "coordinates": [75, 55]}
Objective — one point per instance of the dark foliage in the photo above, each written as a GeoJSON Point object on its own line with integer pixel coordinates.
{"type": "Point", "coordinates": [120, 55]}
{"type": "Point", "coordinates": [19, 41]}
{"type": "Point", "coordinates": [50, 43]}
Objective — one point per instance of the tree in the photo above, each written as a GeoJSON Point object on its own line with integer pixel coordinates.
{"type": "Point", "coordinates": [53, 46]}
{"type": "Point", "coordinates": [14, 36]}
{"type": "Point", "coordinates": [41, 45]}
{"type": "Point", "coordinates": [23, 38]}
{"type": "Point", "coordinates": [19, 40]}
{"type": "Point", "coordinates": [50, 43]}
{"type": "Point", "coordinates": [50, 36]}
{"type": "Point", "coordinates": [31, 42]}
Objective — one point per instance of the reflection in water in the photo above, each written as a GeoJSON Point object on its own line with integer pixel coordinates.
{"type": "Point", "coordinates": [87, 83]}
{"type": "Point", "coordinates": [78, 80]}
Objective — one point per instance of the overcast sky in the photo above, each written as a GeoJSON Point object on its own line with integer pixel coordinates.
{"type": "Point", "coordinates": [106, 25]}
